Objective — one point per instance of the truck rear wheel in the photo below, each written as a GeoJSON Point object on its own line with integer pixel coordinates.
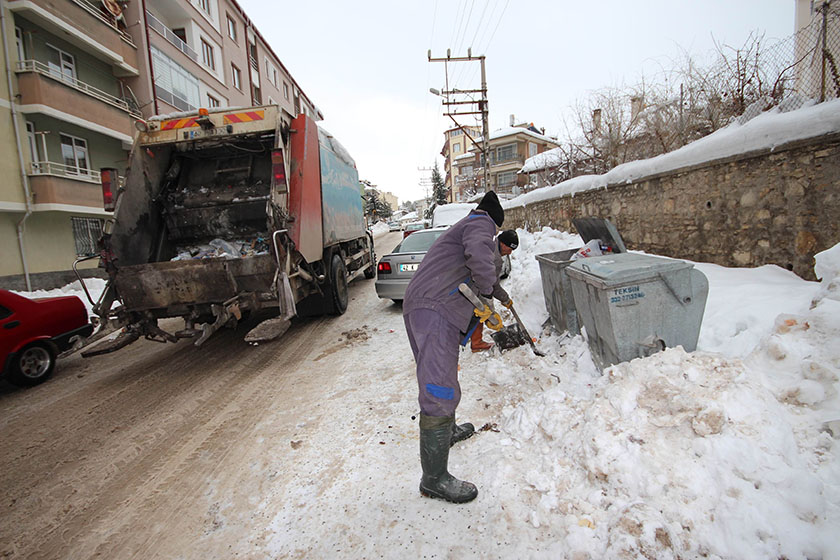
{"type": "Point", "coordinates": [338, 285]}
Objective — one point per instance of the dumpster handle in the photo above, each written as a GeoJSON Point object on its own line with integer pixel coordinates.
{"type": "Point", "coordinates": [684, 300]}
{"type": "Point", "coordinates": [585, 267]}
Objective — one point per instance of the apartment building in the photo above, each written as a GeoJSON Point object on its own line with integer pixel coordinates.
{"type": "Point", "coordinates": [69, 113]}
{"type": "Point", "coordinates": [82, 73]}
{"type": "Point", "coordinates": [508, 149]}
{"type": "Point", "coordinates": [457, 142]}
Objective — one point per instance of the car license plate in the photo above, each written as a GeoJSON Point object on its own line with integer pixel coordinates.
{"type": "Point", "coordinates": [408, 267]}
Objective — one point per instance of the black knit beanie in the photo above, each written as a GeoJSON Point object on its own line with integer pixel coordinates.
{"type": "Point", "coordinates": [509, 238]}
{"type": "Point", "coordinates": [490, 204]}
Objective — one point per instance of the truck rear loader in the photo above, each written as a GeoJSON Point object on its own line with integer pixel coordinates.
{"type": "Point", "coordinates": [225, 212]}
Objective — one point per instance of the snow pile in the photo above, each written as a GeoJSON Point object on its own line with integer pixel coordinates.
{"type": "Point", "coordinates": [379, 228]}
{"type": "Point", "coordinates": [767, 130]}
{"type": "Point", "coordinates": [678, 455]}
{"type": "Point", "coordinates": [95, 287]}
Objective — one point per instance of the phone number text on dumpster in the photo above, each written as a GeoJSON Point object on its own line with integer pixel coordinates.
{"type": "Point", "coordinates": [628, 293]}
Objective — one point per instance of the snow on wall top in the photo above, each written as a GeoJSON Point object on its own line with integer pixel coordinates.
{"type": "Point", "coordinates": [766, 131]}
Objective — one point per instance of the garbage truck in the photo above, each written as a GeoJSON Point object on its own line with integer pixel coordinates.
{"type": "Point", "coordinates": [225, 212]}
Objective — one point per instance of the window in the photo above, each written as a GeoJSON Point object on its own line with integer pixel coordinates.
{"type": "Point", "coordinates": [21, 53]}
{"type": "Point", "coordinates": [286, 90]}
{"type": "Point", "coordinates": [456, 148]}
{"type": "Point", "coordinates": [506, 179]}
{"type": "Point", "coordinates": [506, 153]}
{"type": "Point", "coordinates": [61, 64]}
{"type": "Point", "coordinates": [532, 149]}
{"type": "Point", "coordinates": [271, 101]}
{"type": "Point", "coordinates": [231, 28]}
{"type": "Point", "coordinates": [274, 78]}
{"type": "Point", "coordinates": [33, 147]}
{"type": "Point", "coordinates": [86, 233]}
{"type": "Point", "coordinates": [236, 77]}
{"type": "Point", "coordinates": [204, 5]}
{"type": "Point", "coordinates": [212, 101]}
{"type": "Point", "coordinates": [174, 84]}
{"type": "Point", "coordinates": [207, 54]}
{"type": "Point", "coordinates": [74, 154]}
{"type": "Point", "coordinates": [257, 94]}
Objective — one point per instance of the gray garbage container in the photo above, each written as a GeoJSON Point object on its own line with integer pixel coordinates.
{"type": "Point", "coordinates": [557, 291]}
{"type": "Point", "coordinates": [634, 305]}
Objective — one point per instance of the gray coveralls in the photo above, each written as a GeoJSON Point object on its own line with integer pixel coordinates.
{"type": "Point", "coordinates": [436, 313]}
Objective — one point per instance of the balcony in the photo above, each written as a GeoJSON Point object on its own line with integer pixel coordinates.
{"type": "Point", "coordinates": [83, 24]}
{"type": "Point", "coordinates": [105, 17]}
{"type": "Point", "coordinates": [55, 183]}
{"type": "Point", "coordinates": [169, 35]}
{"type": "Point", "coordinates": [38, 67]}
{"type": "Point", "coordinates": [46, 91]}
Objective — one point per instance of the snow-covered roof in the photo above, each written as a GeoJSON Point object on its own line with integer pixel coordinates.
{"type": "Point", "coordinates": [768, 130]}
{"type": "Point", "coordinates": [548, 158]}
{"type": "Point", "coordinates": [512, 130]}
{"type": "Point", "coordinates": [465, 155]}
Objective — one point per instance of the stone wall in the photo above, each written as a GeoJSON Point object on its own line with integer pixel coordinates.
{"type": "Point", "coordinates": [779, 206]}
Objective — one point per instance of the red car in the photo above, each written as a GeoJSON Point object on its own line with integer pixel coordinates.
{"type": "Point", "coordinates": [34, 331]}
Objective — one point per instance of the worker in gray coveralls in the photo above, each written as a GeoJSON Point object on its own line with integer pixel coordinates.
{"type": "Point", "coordinates": [437, 316]}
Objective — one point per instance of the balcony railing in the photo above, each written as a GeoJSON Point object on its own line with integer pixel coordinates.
{"type": "Point", "coordinates": [173, 99]}
{"type": "Point", "coordinates": [66, 171]}
{"type": "Point", "coordinates": [170, 36]}
{"type": "Point", "coordinates": [54, 73]}
{"type": "Point", "coordinates": [254, 64]}
{"type": "Point", "coordinates": [106, 18]}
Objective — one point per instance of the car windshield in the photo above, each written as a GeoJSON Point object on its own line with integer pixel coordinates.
{"type": "Point", "coordinates": [418, 242]}
{"type": "Point", "coordinates": [414, 227]}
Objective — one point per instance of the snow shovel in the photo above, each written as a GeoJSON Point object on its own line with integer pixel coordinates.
{"type": "Point", "coordinates": [525, 332]}
{"type": "Point", "coordinates": [511, 336]}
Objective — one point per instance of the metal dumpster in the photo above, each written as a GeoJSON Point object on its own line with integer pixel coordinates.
{"type": "Point", "coordinates": [634, 305]}
{"type": "Point", "coordinates": [557, 291]}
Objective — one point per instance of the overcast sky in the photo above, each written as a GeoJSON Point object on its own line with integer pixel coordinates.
{"type": "Point", "coordinates": [364, 63]}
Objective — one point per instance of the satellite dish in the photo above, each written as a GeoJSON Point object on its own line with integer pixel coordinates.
{"type": "Point", "coordinates": [112, 7]}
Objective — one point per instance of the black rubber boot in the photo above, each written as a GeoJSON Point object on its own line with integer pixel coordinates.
{"type": "Point", "coordinates": [435, 440]}
{"type": "Point", "coordinates": [460, 432]}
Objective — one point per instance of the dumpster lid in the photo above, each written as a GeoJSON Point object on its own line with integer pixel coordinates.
{"type": "Point", "coordinates": [600, 228]}
{"type": "Point", "coordinates": [612, 270]}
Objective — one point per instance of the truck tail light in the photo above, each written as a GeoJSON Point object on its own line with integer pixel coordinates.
{"type": "Point", "coordinates": [278, 171]}
{"type": "Point", "coordinates": [109, 177]}
{"type": "Point", "coordinates": [384, 268]}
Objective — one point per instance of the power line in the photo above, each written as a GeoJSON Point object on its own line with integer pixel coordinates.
{"type": "Point", "coordinates": [457, 25]}
{"type": "Point", "coordinates": [487, 46]}
{"type": "Point", "coordinates": [466, 27]}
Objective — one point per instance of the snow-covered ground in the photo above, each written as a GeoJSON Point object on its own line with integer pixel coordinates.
{"type": "Point", "coordinates": [726, 452]}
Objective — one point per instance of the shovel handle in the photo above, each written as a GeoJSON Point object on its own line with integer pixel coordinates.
{"type": "Point", "coordinates": [493, 323]}
{"type": "Point", "coordinates": [470, 295]}
{"type": "Point", "coordinates": [525, 332]}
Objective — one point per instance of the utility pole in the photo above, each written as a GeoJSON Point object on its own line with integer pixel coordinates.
{"type": "Point", "coordinates": [425, 184]}
{"type": "Point", "coordinates": [482, 105]}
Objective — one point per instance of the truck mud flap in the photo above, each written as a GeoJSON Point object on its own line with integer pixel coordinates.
{"type": "Point", "coordinates": [268, 330]}
{"type": "Point", "coordinates": [121, 341]}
